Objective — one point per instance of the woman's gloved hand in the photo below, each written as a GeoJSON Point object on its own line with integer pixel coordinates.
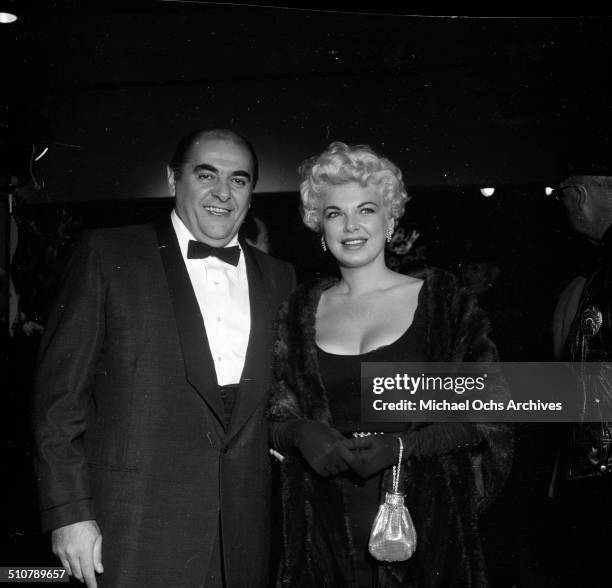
{"type": "Point", "coordinates": [323, 448]}
{"type": "Point", "coordinates": [373, 453]}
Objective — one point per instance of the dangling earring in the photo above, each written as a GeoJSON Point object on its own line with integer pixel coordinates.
{"type": "Point", "coordinates": [323, 243]}
{"type": "Point", "coordinates": [389, 233]}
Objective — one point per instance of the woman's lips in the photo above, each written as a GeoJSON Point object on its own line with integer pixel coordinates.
{"type": "Point", "coordinates": [354, 243]}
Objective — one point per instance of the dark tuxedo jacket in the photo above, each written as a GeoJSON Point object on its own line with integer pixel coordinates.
{"type": "Point", "coordinates": [128, 420]}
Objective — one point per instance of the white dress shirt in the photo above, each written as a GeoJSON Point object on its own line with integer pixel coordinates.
{"type": "Point", "coordinates": [222, 291]}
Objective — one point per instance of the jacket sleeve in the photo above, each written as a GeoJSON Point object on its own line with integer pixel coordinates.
{"type": "Point", "coordinates": [63, 386]}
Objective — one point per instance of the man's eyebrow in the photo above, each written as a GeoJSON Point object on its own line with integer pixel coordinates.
{"type": "Point", "coordinates": [205, 167]}
{"type": "Point", "coordinates": [242, 173]}
{"type": "Point", "coordinates": [211, 168]}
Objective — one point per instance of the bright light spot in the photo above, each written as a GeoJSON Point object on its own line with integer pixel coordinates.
{"type": "Point", "coordinates": [548, 190]}
{"type": "Point", "coordinates": [486, 192]}
{"type": "Point", "coordinates": [42, 154]}
{"type": "Point", "coordinates": [7, 17]}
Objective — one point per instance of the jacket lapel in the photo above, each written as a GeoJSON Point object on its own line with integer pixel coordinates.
{"type": "Point", "coordinates": [255, 380]}
{"type": "Point", "coordinates": [199, 365]}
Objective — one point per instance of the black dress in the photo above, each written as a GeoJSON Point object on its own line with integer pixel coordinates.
{"type": "Point", "coordinates": [341, 377]}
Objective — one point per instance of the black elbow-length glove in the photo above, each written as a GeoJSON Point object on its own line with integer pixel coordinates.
{"type": "Point", "coordinates": [323, 448]}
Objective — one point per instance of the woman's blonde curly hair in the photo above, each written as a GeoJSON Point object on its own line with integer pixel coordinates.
{"type": "Point", "coordinates": [341, 163]}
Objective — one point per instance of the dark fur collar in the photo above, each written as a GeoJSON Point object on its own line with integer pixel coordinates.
{"type": "Point", "coordinates": [457, 330]}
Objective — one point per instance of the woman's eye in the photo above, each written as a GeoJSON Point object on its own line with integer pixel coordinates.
{"type": "Point", "coordinates": [367, 210]}
{"type": "Point", "coordinates": [332, 214]}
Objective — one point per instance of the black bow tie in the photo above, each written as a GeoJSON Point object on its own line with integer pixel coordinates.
{"type": "Point", "coordinates": [199, 250]}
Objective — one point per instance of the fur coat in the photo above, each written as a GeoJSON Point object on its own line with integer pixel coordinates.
{"type": "Point", "coordinates": [443, 493]}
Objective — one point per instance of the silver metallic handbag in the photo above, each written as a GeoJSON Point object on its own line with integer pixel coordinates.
{"type": "Point", "coordinates": [393, 536]}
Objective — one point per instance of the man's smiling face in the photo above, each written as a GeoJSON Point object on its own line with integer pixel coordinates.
{"type": "Point", "coordinates": [214, 189]}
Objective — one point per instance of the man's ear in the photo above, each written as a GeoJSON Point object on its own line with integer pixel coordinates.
{"type": "Point", "coordinates": [585, 200]}
{"type": "Point", "coordinates": [584, 195]}
{"type": "Point", "coordinates": [171, 180]}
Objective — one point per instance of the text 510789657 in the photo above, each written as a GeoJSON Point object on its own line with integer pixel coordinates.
{"type": "Point", "coordinates": [32, 574]}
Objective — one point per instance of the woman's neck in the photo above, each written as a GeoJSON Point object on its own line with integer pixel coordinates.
{"type": "Point", "coordinates": [362, 280]}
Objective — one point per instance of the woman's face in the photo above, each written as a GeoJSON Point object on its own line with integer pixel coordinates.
{"type": "Point", "coordinates": [354, 223]}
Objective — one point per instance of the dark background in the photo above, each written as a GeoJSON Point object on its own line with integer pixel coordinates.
{"type": "Point", "coordinates": [459, 103]}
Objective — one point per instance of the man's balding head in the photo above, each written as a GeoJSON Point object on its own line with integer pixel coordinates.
{"type": "Point", "coordinates": [184, 146]}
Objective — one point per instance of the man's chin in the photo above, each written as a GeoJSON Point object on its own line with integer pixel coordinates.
{"type": "Point", "coordinates": [217, 238]}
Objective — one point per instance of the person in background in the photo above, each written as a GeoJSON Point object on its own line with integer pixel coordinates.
{"type": "Point", "coordinates": [255, 233]}
{"type": "Point", "coordinates": [582, 332]}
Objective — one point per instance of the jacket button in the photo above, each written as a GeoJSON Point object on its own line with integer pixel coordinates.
{"type": "Point", "coordinates": [603, 468]}
{"type": "Point", "coordinates": [224, 449]}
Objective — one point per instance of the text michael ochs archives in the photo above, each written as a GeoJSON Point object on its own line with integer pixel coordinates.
{"type": "Point", "coordinates": [457, 384]}
{"type": "Point", "coordinates": [477, 392]}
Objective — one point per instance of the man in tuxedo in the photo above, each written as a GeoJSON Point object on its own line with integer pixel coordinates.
{"type": "Point", "coordinates": [149, 411]}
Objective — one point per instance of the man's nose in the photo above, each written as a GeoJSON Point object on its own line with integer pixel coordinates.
{"type": "Point", "coordinates": [222, 189]}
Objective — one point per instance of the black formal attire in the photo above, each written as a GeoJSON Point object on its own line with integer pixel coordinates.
{"type": "Point", "coordinates": [129, 420]}
{"type": "Point", "coordinates": [448, 480]}
{"type": "Point", "coordinates": [341, 375]}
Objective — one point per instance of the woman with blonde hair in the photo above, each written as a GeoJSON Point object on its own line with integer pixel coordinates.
{"type": "Point", "coordinates": [335, 468]}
